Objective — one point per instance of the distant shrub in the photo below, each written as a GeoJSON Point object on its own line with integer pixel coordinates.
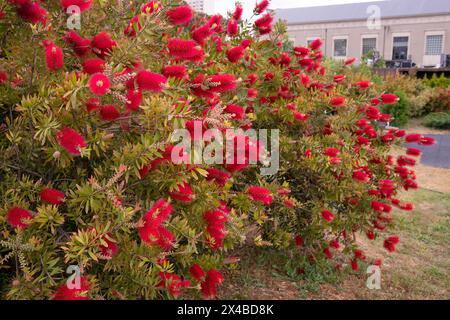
{"type": "Point", "coordinates": [437, 82]}
{"type": "Point", "coordinates": [400, 111]}
{"type": "Point", "coordinates": [437, 120]}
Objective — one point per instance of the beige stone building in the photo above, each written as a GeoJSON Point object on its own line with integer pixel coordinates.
{"type": "Point", "coordinates": [400, 30]}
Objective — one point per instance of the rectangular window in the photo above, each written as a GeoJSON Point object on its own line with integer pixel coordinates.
{"type": "Point", "coordinates": [434, 45]}
{"type": "Point", "coordinates": [369, 45]}
{"type": "Point", "coordinates": [400, 51]}
{"type": "Point", "coordinates": [340, 47]}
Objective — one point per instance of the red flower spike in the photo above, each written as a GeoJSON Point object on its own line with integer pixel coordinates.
{"type": "Point", "coordinates": [17, 217]}
{"type": "Point", "coordinates": [99, 84]}
{"type": "Point", "coordinates": [71, 141]}
{"type": "Point", "coordinates": [52, 196]}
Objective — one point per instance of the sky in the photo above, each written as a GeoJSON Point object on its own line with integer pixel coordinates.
{"type": "Point", "coordinates": [222, 6]}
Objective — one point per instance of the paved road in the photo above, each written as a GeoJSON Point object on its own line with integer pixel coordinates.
{"type": "Point", "coordinates": [437, 155]}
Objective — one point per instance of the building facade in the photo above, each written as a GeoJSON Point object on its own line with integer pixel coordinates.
{"type": "Point", "coordinates": [399, 30]}
{"type": "Point", "coordinates": [205, 6]}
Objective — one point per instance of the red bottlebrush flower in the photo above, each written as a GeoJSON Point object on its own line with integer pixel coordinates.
{"type": "Point", "coordinates": [360, 176]}
{"type": "Point", "coordinates": [216, 226]}
{"type": "Point", "coordinates": [381, 207]}
{"type": "Point", "coordinates": [405, 161]}
{"type": "Point", "coordinates": [92, 104]}
{"type": "Point", "coordinates": [17, 217]}
{"type": "Point", "coordinates": [232, 27]}
{"type": "Point", "coordinates": [197, 272]}
{"type": "Point", "coordinates": [180, 15]}
{"type": "Point", "coordinates": [327, 215]}
{"type": "Point", "coordinates": [52, 196]}
{"type": "Point", "coordinates": [414, 152]}
{"type": "Point", "coordinates": [331, 152]}
{"type": "Point", "coordinates": [338, 101]}
{"type": "Point", "coordinates": [400, 133]}
{"type": "Point", "coordinates": [359, 254]}
{"type": "Point", "coordinates": [298, 241]}
{"type": "Point", "coordinates": [92, 66]}
{"type": "Point", "coordinates": [184, 49]}
{"type": "Point", "coordinates": [388, 98]}
{"type": "Point", "coordinates": [386, 188]}
{"type": "Point", "coordinates": [391, 242]}
{"type": "Point", "coordinates": [385, 117]}
{"type": "Point", "coordinates": [54, 56]}
{"type": "Point", "coordinates": [218, 176]}
{"type": "Point", "coordinates": [261, 7]}
{"type": "Point", "coordinates": [158, 213]}
{"type": "Point", "coordinates": [363, 85]}
{"type": "Point", "coordinates": [289, 203]}
{"type": "Point", "coordinates": [252, 93]}
{"type": "Point", "coordinates": [173, 283]}
{"type": "Point", "coordinates": [71, 141]}
{"type": "Point", "coordinates": [133, 25]}
{"type": "Point", "coordinates": [110, 250]}
{"type": "Point", "coordinates": [151, 7]}
{"type": "Point", "coordinates": [31, 12]}
{"type": "Point", "coordinates": [328, 253]}
{"type": "Point", "coordinates": [183, 193]}
{"type": "Point", "coordinates": [335, 244]}
{"type": "Point", "coordinates": [427, 141]}
{"type": "Point", "coordinates": [150, 81]}
{"type": "Point", "coordinates": [3, 77]}
{"type": "Point", "coordinates": [201, 34]}
{"type": "Point", "coordinates": [339, 78]}
{"type": "Point", "coordinates": [354, 264]}
{"type": "Point", "coordinates": [349, 61]}
{"type": "Point", "coordinates": [102, 44]}
{"type": "Point", "coordinates": [209, 287]}
{"type": "Point", "coordinates": [175, 71]}
{"type": "Point", "coordinates": [235, 54]}
{"type": "Point", "coordinates": [260, 194]}
{"type": "Point", "coordinates": [410, 184]}
{"type": "Point", "coordinates": [222, 83]}
{"type": "Point", "coordinates": [308, 153]}
{"type": "Point", "coordinates": [407, 206]}
{"type": "Point", "coordinates": [82, 4]}
{"type": "Point", "coordinates": [2, 14]}
{"type": "Point", "coordinates": [237, 14]}
{"type": "Point", "coordinates": [99, 84]}
{"type": "Point", "coordinates": [81, 293]}
{"type": "Point", "coordinates": [415, 137]}
{"type": "Point", "coordinates": [370, 235]}
{"type": "Point", "coordinates": [109, 113]}
{"type": "Point", "coordinates": [388, 137]}
{"type": "Point", "coordinates": [300, 116]}
{"type": "Point", "coordinates": [301, 51]}
{"type": "Point", "coordinates": [134, 99]}
{"type": "Point", "coordinates": [78, 44]}
{"type": "Point", "coordinates": [264, 24]}
{"type": "Point", "coordinates": [316, 44]}
{"type": "Point", "coordinates": [237, 112]}
{"type": "Point", "coordinates": [373, 113]}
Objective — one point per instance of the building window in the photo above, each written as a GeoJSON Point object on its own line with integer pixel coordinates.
{"type": "Point", "coordinates": [369, 45]}
{"type": "Point", "coordinates": [340, 47]}
{"type": "Point", "coordinates": [400, 51]}
{"type": "Point", "coordinates": [434, 45]}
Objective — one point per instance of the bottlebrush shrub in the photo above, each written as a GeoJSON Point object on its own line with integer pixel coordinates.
{"type": "Point", "coordinates": [86, 144]}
